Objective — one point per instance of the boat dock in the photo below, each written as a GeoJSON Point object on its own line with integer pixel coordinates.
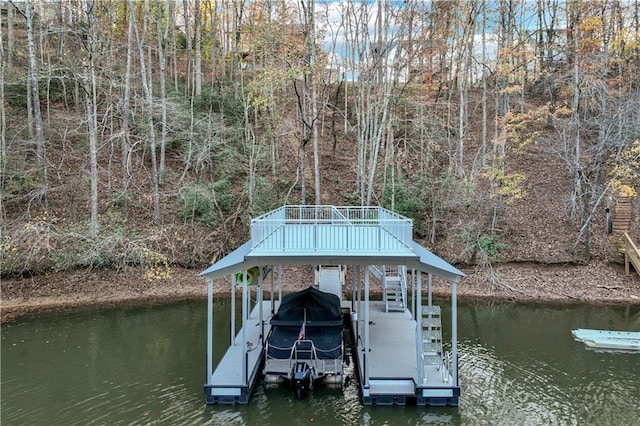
{"type": "Point", "coordinates": [397, 342]}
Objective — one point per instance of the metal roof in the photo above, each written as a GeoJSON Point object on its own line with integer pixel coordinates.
{"type": "Point", "coordinates": [331, 235]}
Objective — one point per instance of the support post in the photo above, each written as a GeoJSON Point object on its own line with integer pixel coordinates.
{"type": "Point", "coordinates": [454, 332]}
{"type": "Point", "coordinates": [366, 326]}
{"type": "Point", "coordinates": [273, 302]}
{"type": "Point", "coordinates": [280, 283]}
{"type": "Point", "coordinates": [414, 309]}
{"type": "Point", "coordinates": [233, 309]}
{"type": "Point", "coordinates": [209, 330]}
{"type": "Point", "coordinates": [259, 300]}
{"type": "Point", "coordinates": [245, 324]}
{"type": "Point", "coordinates": [354, 277]}
{"type": "Point", "coordinates": [419, 327]}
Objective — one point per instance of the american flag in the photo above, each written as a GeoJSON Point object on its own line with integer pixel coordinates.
{"type": "Point", "coordinates": [301, 334]}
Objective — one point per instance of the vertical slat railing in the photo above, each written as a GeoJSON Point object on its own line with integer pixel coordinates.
{"type": "Point", "coordinates": [361, 228]}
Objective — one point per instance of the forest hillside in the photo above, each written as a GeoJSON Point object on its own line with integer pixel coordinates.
{"type": "Point", "coordinates": [147, 134]}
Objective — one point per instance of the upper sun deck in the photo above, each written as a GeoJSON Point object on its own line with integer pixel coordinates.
{"type": "Point", "coordinates": [331, 231]}
{"type": "Point", "coordinates": [330, 235]}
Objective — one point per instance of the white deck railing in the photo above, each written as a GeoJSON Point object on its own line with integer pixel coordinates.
{"type": "Point", "coordinates": [318, 228]}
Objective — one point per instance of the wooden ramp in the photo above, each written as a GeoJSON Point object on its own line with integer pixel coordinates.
{"type": "Point", "coordinates": [627, 341]}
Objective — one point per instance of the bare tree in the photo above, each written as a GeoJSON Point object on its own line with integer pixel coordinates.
{"type": "Point", "coordinates": [189, 48]}
{"type": "Point", "coordinates": [308, 96]}
{"type": "Point", "coordinates": [161, 32]}
{"type": "Point", "coordinates": [3, 132]}
{"type": "Point", "coordinates": [90, 96]}
{"type": "Point", "coordinates": [197, 17]}
{"type": "Point", "coordinates": [125, 142]}
{"type": "Point", "coordinates": [41, 153]}
{"type": "Point", "coordinates": [155, 191]}
{"type": "Point", "coordinates": [10, 36]}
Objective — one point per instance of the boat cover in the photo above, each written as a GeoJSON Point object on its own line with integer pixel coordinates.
{"type": "Point", "coordinates": [323, 325]}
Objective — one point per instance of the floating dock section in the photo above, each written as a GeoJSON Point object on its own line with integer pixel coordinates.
{"type": "Point", "coordinates": [397, 342]}
{"type": "Point", "coordinates": [607, 340]}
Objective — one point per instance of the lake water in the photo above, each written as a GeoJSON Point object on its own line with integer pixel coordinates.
{"type": "Point", "coordinates": [146, 365]}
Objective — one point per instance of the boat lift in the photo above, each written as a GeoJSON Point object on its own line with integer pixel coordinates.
{"type": "Point", "coordinates": [398, 346]}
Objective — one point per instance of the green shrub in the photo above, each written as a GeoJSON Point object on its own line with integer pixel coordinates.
{"type": "Point", "coordinates": [487, 245]}
{"type": "Point", "coordinates": [197, 204]}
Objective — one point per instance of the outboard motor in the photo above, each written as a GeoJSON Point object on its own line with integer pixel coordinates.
{"type": "Point", "coordinates": [301, 379]}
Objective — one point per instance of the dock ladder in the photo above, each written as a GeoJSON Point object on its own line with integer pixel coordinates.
{"type": "Point", "coordinates": [431, 335]}
{"type": "Point", "coordinates": [394, 283]}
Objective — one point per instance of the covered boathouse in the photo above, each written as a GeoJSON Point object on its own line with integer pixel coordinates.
{"type": "Point", "coordinates": [398, 347]}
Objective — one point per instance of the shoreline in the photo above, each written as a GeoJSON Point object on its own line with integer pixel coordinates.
{"type": "Point", "coordinates": [604, 284]}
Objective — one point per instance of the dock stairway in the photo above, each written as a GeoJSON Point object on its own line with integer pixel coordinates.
{"type": "Point", "coordinates": [394, 286]}
{"type": "Point", "coordinates": [431, 335]}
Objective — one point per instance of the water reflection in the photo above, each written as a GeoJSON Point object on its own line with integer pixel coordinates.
{"type": "Point", "coordinates": [518, 365]}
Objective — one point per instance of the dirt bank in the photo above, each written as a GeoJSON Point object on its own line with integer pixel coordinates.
{"type": "Point", "coordinates": [595, 283]}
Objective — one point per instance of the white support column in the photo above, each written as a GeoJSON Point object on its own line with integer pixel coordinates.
{"type": "Point", "coordinates": [366, 326]}
{"type": "Point", "coordinates": [357, 306]}
{"type": "Point", "coordinates": [421, 375]}
{"type": "Point", "coordinates": [454, 331]}
{"type": "Point", "coordinates": [233, 309]}
{"type": "Point", "coordinates": [414, 309]}
{"type": "Point", "coordinates": [209, 330]}
{"type": "Point", "coordinates": [429, 299]}
{"type": "Point", "coordinates": [244, 325]}
{"type": "Point", "coordinates": [279, 283]}
{"type": "Point", "coordinates": [273, 301]}
{"type": "Point", "coordinates": [354, 277]}
{"type": "Point", "coordinates": [259, 300]}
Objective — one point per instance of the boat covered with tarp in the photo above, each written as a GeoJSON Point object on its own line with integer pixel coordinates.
{"type": "Point", "coordinates": [305, 342]}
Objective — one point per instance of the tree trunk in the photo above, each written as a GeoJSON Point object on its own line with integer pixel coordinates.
{"type": "Point", "coordinates": [41, 153]}
{"type": "Point", "coordinates": [187, 33]}
{"type": "Point", "coordinates": [125, 143]}
{"type": "Point", "coordinates": [162, 60]}
{"type": "Point", "coordinates": [10, 37]}
{"type": "Point", "coordinates": [3, 132]}
{"type": "Point", "coordinates": [155, 192]}
{"type": "Point", "coordinates": [198, 55]}
{"type": "Point", "coordinates": [92, 113]}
